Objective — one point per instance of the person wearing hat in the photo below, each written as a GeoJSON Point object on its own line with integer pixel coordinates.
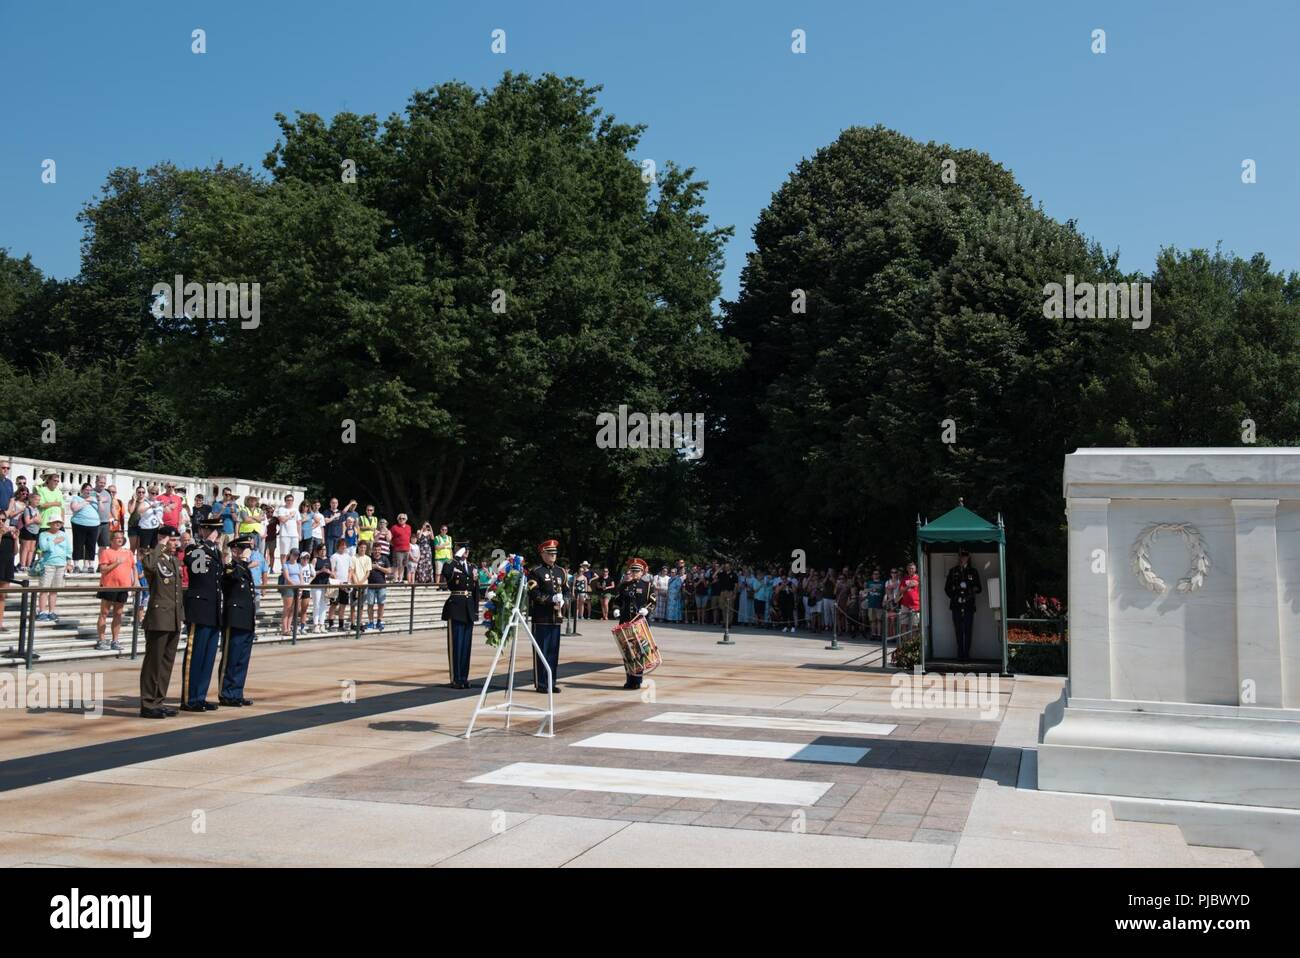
{"type": "Point", "coordinates": [634, 599]}
{"type": "Point", "coordinates": [56, 551]}
{"type": "Point", "coordinates": [162, 623]}
{"type": "Point", "coordinates": [961, 587]}
{"type": "Point", "coordinates": [49, 498]}
{"type": "Point", "coordinates": [202, 616]}
{"type": "Point", "coordinates": [461, 610]}
{"type": "Point", "coordinates": [546, 589]}
{"type": "Point", "coordinates": [239, 619]}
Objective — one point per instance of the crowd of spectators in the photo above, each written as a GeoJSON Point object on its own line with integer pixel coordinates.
{"type": "Point", "coordinates": [851, 602]}
{"type": "Point", "coordinates": [47, 533]}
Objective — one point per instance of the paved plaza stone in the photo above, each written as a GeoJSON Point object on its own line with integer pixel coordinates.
{"type": "Point", "coordinates": [354, 754]}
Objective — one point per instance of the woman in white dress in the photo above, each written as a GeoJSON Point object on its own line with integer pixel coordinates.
{"type": "Point", "coordinates": [661, 595]}
{"type": "Point", "coordinates": [746, 583]}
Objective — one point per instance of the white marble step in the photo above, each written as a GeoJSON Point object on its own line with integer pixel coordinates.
{"type": "Point", "coordinates": [589, 778]}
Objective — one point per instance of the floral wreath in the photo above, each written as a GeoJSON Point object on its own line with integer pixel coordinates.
{"type": "Point", "coordinates": [1196, 572]}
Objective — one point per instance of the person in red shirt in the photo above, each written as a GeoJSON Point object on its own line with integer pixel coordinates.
{"type": "Point", "coordinates": [116, 577]}
{"type": "Point", "coordinates": [171, 504]}
{"type": "Point", "coordinates": [400, 547]}
{"type": "Point", "coordinates": [909, 601]}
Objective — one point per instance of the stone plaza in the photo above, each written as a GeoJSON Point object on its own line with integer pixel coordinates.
{"type": "Point", "coordinates": [774, 751]}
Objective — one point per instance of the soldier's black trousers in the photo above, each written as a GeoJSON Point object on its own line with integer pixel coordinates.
{"type": "Point", "coordinates": [963, 621]}
{"type": "Point", "coordinates": [236, 651]}
{"type": "Point", "coordinates": [548, 637]}
{"type": "Point", "coordinates": [459, 642]}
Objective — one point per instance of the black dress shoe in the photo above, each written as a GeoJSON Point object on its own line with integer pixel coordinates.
{"type": "Point", "coordinates": [245, 701]}
{"type": "Point", "coordinates": [556, 689]}
{"type": "Point", "coordinates": [188, 707]}
{"type": "Point", "coordinates": [209, 707]}
{"type": "Point", "coordinates": [233, 703]}
{"type": "Point", "coordinates": [152, 713]}
{"type": "Point", "coordinates": [168, 711]}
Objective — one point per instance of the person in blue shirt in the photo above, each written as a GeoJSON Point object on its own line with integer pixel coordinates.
{"type": "Point", "coordinates": [227, 510]}
{"type": "Point", "coordinates": [85, 529]}
{"type": "Point", "coordinates": [56, 551]}
{"type": "Point", "coordinates": [876, 604]}
{"type": "Point", "coordinates": [6, 486]}
{"type": "Point", "coordinates": [257, 566]}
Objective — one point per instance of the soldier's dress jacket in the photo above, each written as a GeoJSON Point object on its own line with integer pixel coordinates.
{"type": "Point", "coordinates": [633, 596]}
{"type": "Point", "coordinates": [239, 612]}
{"type": "Point", "coordinates": [961, 587]}
{"type": "Point", "coordinates": [460, 578]}
{"type": "Point", "coordinates": [162, 572]}
{"type": "Point", "coordinates": [203, 597]}
{"type": "Point", "coordinates": [544, 583]}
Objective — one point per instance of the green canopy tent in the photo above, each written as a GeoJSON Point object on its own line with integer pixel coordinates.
{"type": "Point", "coordinates": [957, 528]}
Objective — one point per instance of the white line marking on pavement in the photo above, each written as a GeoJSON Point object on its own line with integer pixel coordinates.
{"type": "Point", "coordinates": [588, 778]}
{"type": "Point", "coordinates": [834, 754]}
{"type": "Point", "coordinates": [773, 721]}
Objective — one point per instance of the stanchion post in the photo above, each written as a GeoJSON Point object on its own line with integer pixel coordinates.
{"type": "Point", "coordinates": [410, 625]}
{"type": "Point", "coordinates": [135, 624]}
{"type": "Point", "coordinates": [726, 626]}
{"type": "Point", "coordinates": [22, 615]}
{"type": "Point", "coordinates": [31, 632]}
{"type": "Point", "coordinates": [835, 630]}
{"type": "Point", "coordinates": [293, 626]}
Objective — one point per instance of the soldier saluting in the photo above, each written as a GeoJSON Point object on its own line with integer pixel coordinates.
{"type": "Point", "coordinates": [633, 598]}
{"type": "Point", "coordinates": [546, 589]}
{"type": "Point", "coordinates": [961, 587]}
{"type": "Point", "coordinates": [239, 615]}
{"type": "Point", "coordinates": [162, 624]}
{"type": "Point", "coordinates": [204, 567]}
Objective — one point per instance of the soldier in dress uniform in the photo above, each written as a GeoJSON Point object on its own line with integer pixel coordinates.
{"type": "Point", "coordinates": [962, 586]}
{"type": "Point", "coordinates": [633, 598]}
{"type": "Point", "coordinates": [546, 590]}
{"type": "Point", "coordinates": [461, 609]}
{"type": "Point", "coordinates": [239, 619]}
{"type": "Point", "coordinates": [162, 624]}
{"type": "Point", "coordinates": [204, 567]}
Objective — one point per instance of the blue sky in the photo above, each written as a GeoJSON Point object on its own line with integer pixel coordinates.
{"type": "Point", "coordinates": [1142, 145]}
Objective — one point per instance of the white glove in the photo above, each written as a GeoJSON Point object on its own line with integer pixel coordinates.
{"type": "Point", "coordinates": [616, 613]}
{"type": "Point", "coordinates": [641, 611]}
{"type": "Point", "coordinates": [558, 598]}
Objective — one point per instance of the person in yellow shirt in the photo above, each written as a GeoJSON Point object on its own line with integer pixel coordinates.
{"type": "Point", "coordinates": [441, 553]}
{"type": "Point", "coordinates": [49, 499]}
{"type": "Point", "coordinates": [366, 526]}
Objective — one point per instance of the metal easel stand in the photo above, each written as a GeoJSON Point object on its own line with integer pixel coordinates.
{"type": "Point", "coordinates": [508, 708]}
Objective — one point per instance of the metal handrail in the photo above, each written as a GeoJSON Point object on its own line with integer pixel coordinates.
{"type": "Point", "coordinates": [28, 608]}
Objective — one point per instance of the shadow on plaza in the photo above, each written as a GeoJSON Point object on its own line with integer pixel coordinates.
{"type": "Point", "coordinates": [217, 730]}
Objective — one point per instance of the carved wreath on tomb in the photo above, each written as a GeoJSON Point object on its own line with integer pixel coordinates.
{"type": "Point", "coordinates": [1200, 558]}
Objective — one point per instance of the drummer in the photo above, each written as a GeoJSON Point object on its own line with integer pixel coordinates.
{"type": "Point", "coordinates": [634, 599]}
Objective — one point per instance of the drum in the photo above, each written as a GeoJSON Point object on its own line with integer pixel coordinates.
{"type": "Point", "coordinates": [637, 646]}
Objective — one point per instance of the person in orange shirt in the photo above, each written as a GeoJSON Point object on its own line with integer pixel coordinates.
{"type": "Point", "coordinates": [116, 576]}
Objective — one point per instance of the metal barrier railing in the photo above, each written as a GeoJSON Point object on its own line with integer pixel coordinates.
{"type": "Point", "coordinates": [29, 608]}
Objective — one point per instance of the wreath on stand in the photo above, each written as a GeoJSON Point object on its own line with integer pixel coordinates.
{"type": "Point", "coordinates": [500, 598]}
{"type": "Point", "coordinates": [1200, 557]}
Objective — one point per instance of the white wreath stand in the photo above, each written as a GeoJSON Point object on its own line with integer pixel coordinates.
{"type": "Point", "coordinates": [509, 636]}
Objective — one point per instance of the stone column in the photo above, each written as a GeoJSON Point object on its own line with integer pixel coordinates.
{"type": "Point", "coordinates": [1090, 566]}
{"type": "Point", "coordinates": [1259, 633]}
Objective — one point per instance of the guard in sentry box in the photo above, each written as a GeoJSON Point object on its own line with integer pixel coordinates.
{"type": "Point", "coordinates": [202, 617]}
{"type": "Point", "coordinates": [239, 619]}
{"type": "Point", "coordinates": [461, 609]}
